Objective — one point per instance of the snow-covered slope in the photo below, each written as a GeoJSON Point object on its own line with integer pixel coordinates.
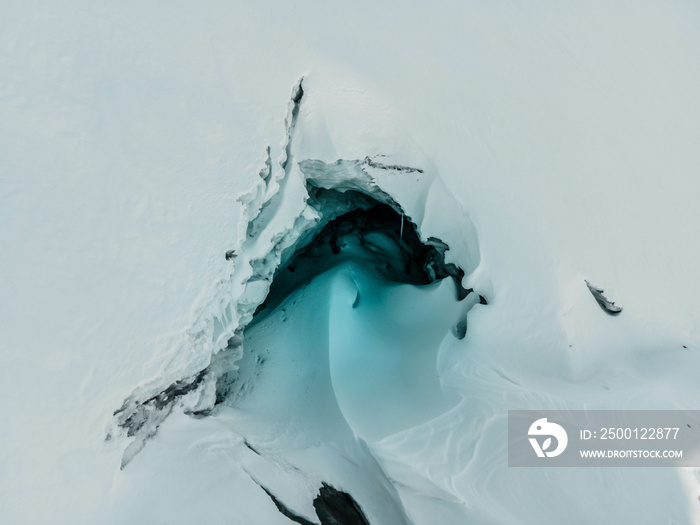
{"type": "Point", "coordinates": [569, 134]}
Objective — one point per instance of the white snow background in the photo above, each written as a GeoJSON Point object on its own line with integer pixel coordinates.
{"type": "Point", "coordinates": [569, 132]}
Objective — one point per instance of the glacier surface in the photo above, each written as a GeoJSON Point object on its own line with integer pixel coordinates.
{"type": "Point", "coordinates": [148, 206]}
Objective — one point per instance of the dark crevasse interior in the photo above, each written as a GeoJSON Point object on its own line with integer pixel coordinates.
{"type": "Point", "coordinates": [373, 232]}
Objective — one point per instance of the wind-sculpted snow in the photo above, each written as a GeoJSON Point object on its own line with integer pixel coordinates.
{"type": "Point", "coordinates": [131, 275]}
{"type": "Point", "coordinates": [328, 331]}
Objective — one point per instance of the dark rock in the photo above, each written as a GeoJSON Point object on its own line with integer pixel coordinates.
{"type": "Point", "coordinates": [334, 507]}
{"type": "Point", "coordinates": [607, 306]}
{"type": "Point", "coordinates": [460, 330]}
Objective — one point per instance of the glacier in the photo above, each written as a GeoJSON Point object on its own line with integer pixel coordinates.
{"type": "Point", "coordinates": [153, 223]}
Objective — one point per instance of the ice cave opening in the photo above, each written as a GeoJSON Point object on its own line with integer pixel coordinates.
{"type": "Point", "coordinates": [344, 290]}
{"type": "Point", "coordinates": [348, 337]}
